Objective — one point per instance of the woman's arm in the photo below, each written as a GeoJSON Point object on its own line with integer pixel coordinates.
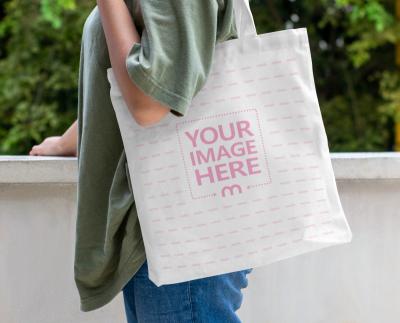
{"type": "Point", "coordinates": [121, 34]}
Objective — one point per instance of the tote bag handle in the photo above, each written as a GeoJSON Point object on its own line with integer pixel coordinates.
{"type": "Point", "coordinates": [244, 19]}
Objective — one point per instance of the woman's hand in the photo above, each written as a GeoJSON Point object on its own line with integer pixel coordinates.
{"type": "Point", "coordinates": [121, 33]}
{"type": "Point", "coordinates": [51, 146]}
{"type": "Point", "coordinates": [65, 145]}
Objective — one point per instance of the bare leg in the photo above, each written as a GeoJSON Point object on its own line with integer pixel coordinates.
{"type": "Point", "coordinates": [65, 145]}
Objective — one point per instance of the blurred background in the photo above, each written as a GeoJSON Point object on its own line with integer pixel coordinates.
{"type": "Point", "coordinates": [355, 46]}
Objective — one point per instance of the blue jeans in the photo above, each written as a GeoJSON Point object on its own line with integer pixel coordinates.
{"type": "Point", "coordinates": [213, 299]}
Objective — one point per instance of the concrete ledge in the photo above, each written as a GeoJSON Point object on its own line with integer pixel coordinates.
{"type": "Point", "coordinates": [376, 165]}
{"type": "Point", "coordinates": [353, 282]}
{"type": "Point", "coordinates": [37, 169]}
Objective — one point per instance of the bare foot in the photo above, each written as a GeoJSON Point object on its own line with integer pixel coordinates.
{"type": "Point", "coordinates": [51, 146]}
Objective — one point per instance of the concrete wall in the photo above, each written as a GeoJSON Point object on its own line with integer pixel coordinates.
{"type": "Point", "coordinates": [356, 282]}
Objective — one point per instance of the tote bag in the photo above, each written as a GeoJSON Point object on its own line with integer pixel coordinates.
{"type": "Point", "coordinates": [244, 179]}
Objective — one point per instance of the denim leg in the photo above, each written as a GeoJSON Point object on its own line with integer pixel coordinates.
{"type": "Point", "coordinates": [165, 304]}
{"type": "Point", "coordinates": [129, 301]}
{"type": "Point", "coordinates": [212, 299]}
{"type": "Point", "coordinates": [216, 299]}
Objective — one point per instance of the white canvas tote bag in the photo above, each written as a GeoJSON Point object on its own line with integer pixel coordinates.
{"type": "Point", "coordinates": [245, 178]}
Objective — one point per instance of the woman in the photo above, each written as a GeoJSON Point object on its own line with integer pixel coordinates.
{"type": "Point", "coordinates": [161, 53]}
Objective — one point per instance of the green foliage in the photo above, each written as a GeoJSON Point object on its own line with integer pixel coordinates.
{"type": "Point", "coordinates": [390, 90]}
{"type": "Point", "coordinates": [370, 25]}
{"type": "Point", "coordinates": [352, 44]}
{"type": "Point", "coordinates": [371, 11]}
{"type": "Point", "coordinates": [52, 10]}
{"type": "Point", "coordinates": [39, 60]}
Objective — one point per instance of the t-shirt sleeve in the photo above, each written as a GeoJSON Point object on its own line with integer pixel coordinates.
{"type": "Point", "coordinates": [174, 57]}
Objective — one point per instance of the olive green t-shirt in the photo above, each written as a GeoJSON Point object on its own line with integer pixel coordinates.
{"type": "Point", "coordinates": [171, 64]}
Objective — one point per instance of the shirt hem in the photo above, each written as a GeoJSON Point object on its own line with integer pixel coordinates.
{"type": "Point", "coordinates": [99, 300]}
